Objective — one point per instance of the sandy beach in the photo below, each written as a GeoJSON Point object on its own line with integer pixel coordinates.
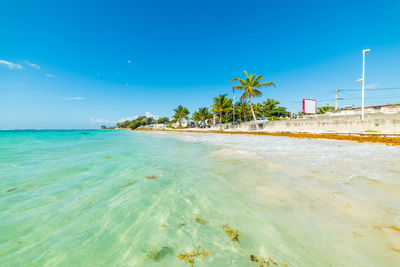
{"type": "Point", "coordinates": [393, 140]}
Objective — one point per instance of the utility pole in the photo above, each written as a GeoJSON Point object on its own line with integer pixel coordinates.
{"type": "Point", "coordinates": [362, 80]}
{"type": "Point", "coordinates": [291, 111]}
{"type": "Point", "coordinates": [336, 96]}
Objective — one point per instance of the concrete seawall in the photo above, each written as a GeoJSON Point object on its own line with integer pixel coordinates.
{"type": "Point", "coordinates": [379, 123]}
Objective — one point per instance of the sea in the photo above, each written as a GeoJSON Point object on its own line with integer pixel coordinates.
{"type": "Point", "coordinates": [122, 198]}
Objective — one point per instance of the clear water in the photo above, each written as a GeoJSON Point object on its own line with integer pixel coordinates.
{"type": "Point", "coordinates": [81, 198]}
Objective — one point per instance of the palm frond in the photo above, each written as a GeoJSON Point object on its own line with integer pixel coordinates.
{"type": "Point", "coordinates": [259, 77]}
{"type": "Point", "coordinates": [237, 87]}
{"type": "Point", "coordinates": [257, 92]}
{"type": "Point", "coordinates": [243, 96]}
{"type": "Point", "coordinates": [265, 84]}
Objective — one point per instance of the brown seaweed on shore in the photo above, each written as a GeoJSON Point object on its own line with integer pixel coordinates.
{"type": "Point", "coordinates": [233, 233]}
{"type": "Point", "coordinates": [127, 184]}
{"type": "Point", "coordinates": [12, 189]}
{"type": "Point", "coordinates": [158, 255]}
{"type": "Point", "coordinates": [262, 262]}
{"type": "Point", "coordinates": [152, 177]}
{"type": "Point", "coordinates": [356, 137]}
{"type": "Point", "coordinates": [189, 257]}
{"type": "Point", "coordinates": [200, 220]}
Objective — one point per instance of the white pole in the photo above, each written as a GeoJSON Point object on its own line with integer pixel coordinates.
{"type": "Point", "coordinates": [291, 111]}
{"type": "Point", "coordinates": [336, 96]}
{"type": "Point", "coordinates": [363, 83]}
{"type": "Point", "coordinates": [363, 87]}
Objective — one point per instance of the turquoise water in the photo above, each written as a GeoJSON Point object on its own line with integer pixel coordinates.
{"type": "Point", "coordinates": [117, 198]}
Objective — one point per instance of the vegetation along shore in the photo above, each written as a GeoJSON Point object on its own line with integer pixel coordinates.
{"type": "Point", "coordinates": [224, 111]}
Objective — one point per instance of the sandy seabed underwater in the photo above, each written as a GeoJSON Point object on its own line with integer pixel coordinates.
{"type": "Point", "coordinates": [118, 198]}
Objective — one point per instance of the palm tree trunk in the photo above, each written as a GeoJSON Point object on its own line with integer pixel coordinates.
{"type": "Point", "coordinates": [252, 111]}
{"type": "Point", "coordinates": [180, 124]}
{"type": "Point", "coordinates": [220, 121]}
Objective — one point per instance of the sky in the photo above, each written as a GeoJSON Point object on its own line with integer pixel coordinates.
{"type": "Point", "coordinates": [81, 64]}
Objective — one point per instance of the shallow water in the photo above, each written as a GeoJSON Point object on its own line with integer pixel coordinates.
{"type": "Point", "coordinates": [116, 198]}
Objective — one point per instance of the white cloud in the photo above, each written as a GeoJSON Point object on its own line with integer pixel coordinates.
{"type": "Point", "coordinates": [74, 98]}
{"type": "Point", "coordinates": [33, 65]}
{"type": "Point", "coordinates": [128, 119]}
{"type": "Point", "coordinates": [10, 65]}
{"type": "Point", "coordinates": [372, 86]}
{"type": "Point", "coordinates": [148, 114]}
{"type": "Point", "coordinates": [129, 61]}
{"type": "Point", "coordinates": [101, 121]}
{"type": "Point", "coordinates": [50, 75]}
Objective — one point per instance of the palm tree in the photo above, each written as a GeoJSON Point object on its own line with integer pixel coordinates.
{"type": "Point", "coordinates": [324, 109]}
{"type": "Point", "coordinates": [221, 104]}
{"type": "Point", "coordinates": [181, 113]}
{"type": "Point", "coordinates": [196, 116]}
{"type": "Point", "coordinates": [257, 108]}
{"type": "Point", "coordinates": [250, 85]}
{"type": "Point", "coordinates": [270, 104]}
{"type": "Point", "coordinates": [203, 115]}
{"type": "Point", "coordinates": [242, 109]}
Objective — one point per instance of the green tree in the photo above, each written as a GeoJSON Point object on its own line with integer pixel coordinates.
{"type": "Point", "coordinates": [203, 115]}
{"type": "Point", "coordinates": [273, 111]}
{"type": "Point", "coordinates": [242, 109]}
{"type": "Point", "coordinates": [135, 124]}
{"type": "Point", "coordinates": [324, 109]}
{"type": "Point", "coordinates": [196, 116]}
{"type": "Point", "coordinates": [269, 105]}
{"type": "Point", "coordinates": [250, 86]}
{"type": "Point", "coordinates": [180, 114]}
{"type": "Point", "coordinates": [257, 109]}
{"type": "Point", "coordinates": [140, 118]}
{"type": "Point", "coordinates": [148, 120]}
{"type": "Point", "coordinates": [163, 120]}
{"type": "Point", "coordinates": [221, 104]}
{"type": "Point", "coordinates": [124, 124]}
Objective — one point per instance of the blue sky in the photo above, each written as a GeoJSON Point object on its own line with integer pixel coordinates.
{"type": "Point", "coordinates": [80, 64]}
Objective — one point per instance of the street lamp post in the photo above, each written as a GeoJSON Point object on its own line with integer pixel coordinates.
{"type": "Point", "coordinates": [363, 83]}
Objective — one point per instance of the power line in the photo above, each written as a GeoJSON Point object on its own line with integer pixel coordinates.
{"type": "Point", "coordinates": [372, 89]}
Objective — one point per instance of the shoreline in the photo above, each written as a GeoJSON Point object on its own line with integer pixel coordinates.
{"type": "Point", "coordinates": [386, 139]}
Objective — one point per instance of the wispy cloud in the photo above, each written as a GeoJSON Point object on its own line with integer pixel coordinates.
{"type": "Point", "coordinates": [33, 65]}
{"type": "Point", "coordinates": [129, 61]}
{"type": "Point", "coordinates": [372, 86]}
{"type": "Point", "coordinates": [74, 98]}
{"type": "Point", "coordinates": [50, 75]}
{"type": "Point", "coordinates": [10, 65]}
{"type": "Point", "coordinates": [101, 121]}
